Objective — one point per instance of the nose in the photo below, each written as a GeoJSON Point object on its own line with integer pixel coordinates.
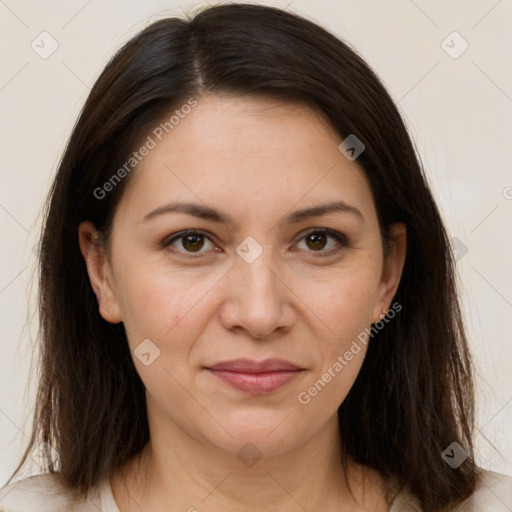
{"type": "Point", "coordinates": [257, 299]}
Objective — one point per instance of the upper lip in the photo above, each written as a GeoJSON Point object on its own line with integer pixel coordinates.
{"type": "Point", "coordinates": [250, 366]}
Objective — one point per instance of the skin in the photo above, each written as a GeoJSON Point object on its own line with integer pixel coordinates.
{"type": "Point", "coordinates": [257, 160]}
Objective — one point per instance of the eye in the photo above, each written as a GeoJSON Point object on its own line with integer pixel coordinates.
{"type": "Point", "coordinates": [192, 241]}
{"type": "Point", "coordinates": [316, 240]}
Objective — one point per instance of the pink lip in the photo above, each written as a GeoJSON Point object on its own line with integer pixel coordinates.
{"type": "Point", "coordinates": [255, 377]}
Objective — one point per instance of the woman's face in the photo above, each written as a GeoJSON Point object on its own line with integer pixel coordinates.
{"type": "Point", "coordinates": [262, 283]}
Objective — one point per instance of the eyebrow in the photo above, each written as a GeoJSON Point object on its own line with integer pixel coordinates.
{"type": "Point", "coordinates": [207, 213]}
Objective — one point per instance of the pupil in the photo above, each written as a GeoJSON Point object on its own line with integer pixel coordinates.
{"type": "Point", "coordinates": [195, 244]}
{"type": "Point", "coordinates": [316, 237]}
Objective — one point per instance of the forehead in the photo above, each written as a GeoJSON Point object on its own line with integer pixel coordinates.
{"type": "Point", "coordinates": [251, 153]}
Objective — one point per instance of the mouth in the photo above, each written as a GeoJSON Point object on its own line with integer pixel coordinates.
{"type": "Point", "coordinates": [253, 377]}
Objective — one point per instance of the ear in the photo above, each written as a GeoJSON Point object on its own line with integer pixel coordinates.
{"type": "Point", "coordinates": [100, 272]}
{"type": "Point", "coordinates": [392, 270]}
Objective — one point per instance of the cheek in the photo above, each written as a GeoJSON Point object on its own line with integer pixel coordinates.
{"type": "Point", "coordinates": [345, 303]}
{"type": "Point", "coordinates": [158, 302]}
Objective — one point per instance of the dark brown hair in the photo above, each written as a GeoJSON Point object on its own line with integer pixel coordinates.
{"type": "Point", "coordinates": [414, 394]}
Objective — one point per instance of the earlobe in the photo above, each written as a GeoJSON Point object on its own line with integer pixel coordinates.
{"type": "Point", "coordinates": [392, 269]}
{"type": "Point", "coordinates": [99, 272]}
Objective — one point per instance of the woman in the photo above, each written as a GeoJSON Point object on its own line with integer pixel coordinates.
{"type": "Point", "coordinates": [247, 291]}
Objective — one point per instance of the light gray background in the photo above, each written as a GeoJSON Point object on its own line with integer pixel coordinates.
{"type": "Point", "coordinates": [459, 112]}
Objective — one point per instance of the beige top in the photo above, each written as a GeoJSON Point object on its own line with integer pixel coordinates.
{"type": "Point", "coordinates": [42, 493]}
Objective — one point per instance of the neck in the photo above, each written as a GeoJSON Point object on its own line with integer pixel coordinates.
{"type": "Point", "coordinates": [176, 471]}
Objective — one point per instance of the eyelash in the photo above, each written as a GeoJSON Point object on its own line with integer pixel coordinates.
{"type": "Point", "coordinates": [339, 237]}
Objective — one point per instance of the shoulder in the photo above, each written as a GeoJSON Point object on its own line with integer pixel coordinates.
{"type": "Point", "coordinates": [493, 494]}
{"type": "Point", "coordinates": [43, 493]}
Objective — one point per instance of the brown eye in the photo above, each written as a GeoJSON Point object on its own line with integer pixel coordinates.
{"type": "Point", "coordinates": [188, 242]}
{"type": "Point", "coordinates": [317, 240]}
{"type": "Point", "coordinates": [192, 242]}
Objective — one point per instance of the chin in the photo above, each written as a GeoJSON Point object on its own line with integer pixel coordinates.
{"type": "Point", "coordinates": [256, 434]}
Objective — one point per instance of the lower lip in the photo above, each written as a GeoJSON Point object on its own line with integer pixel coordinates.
{"type": "Point", "coordinates": [256, 383]}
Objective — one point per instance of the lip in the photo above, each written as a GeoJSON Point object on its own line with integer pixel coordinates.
{"type": "Point", "coordinates": [256, 377]}
{"type": "Point", "coordinates": [250, 366]}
